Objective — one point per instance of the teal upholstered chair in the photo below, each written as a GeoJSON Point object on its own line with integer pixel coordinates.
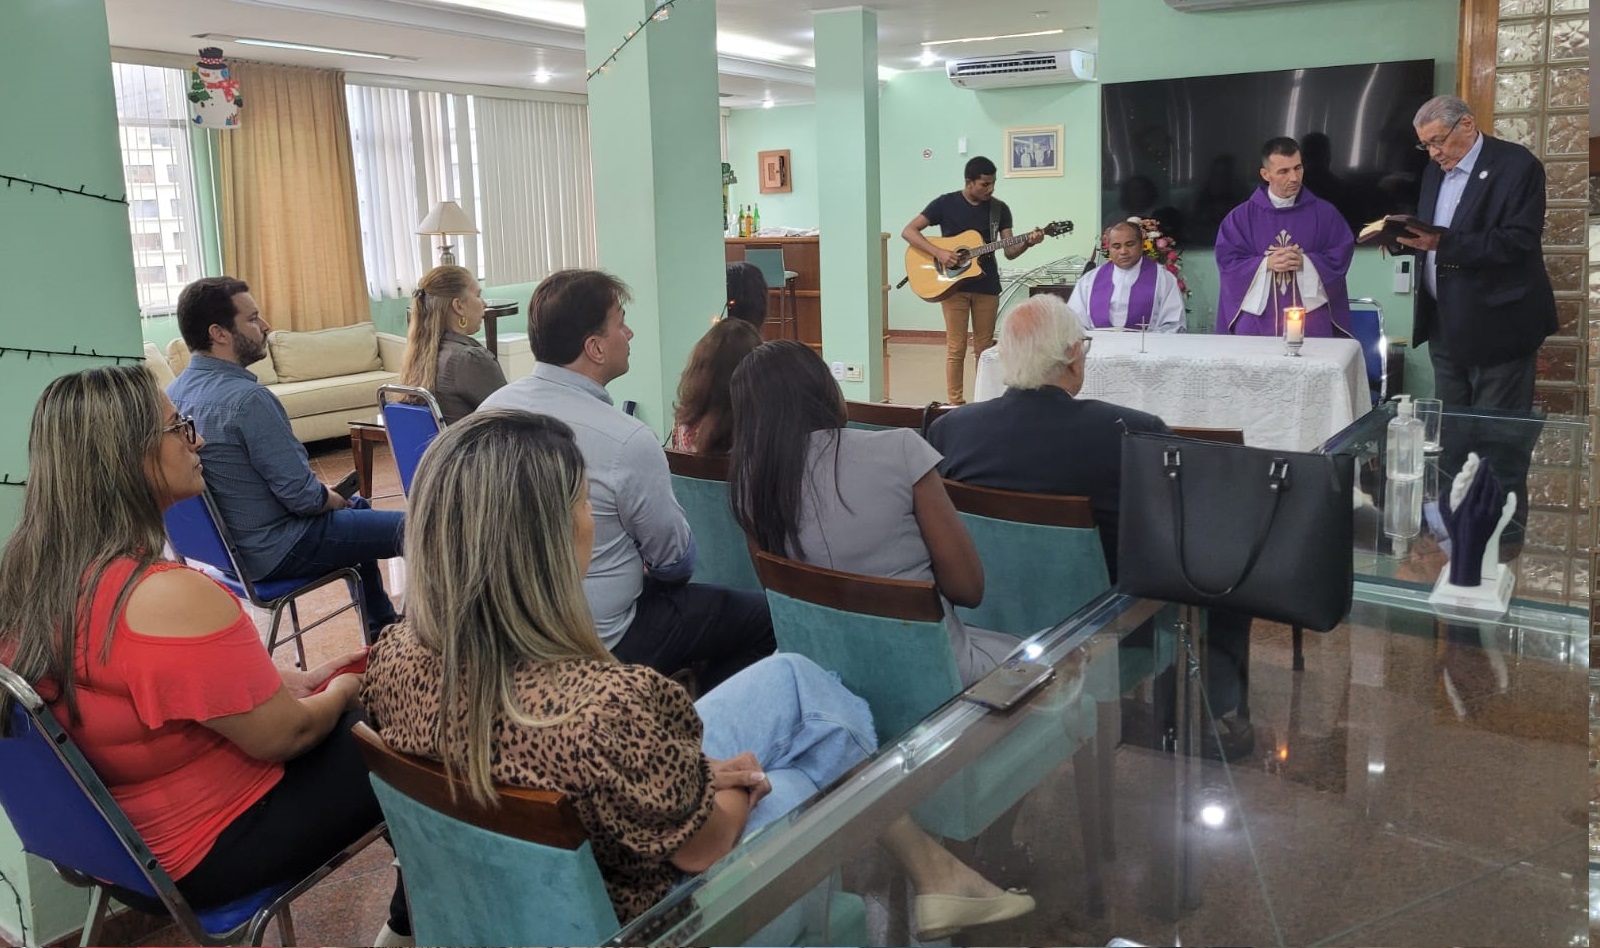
{"type": "Point", "coordinates": [518, 874]}
{"type": "Point", "coordinates": [1041, 553]}
{"type": "Point", "coordinates": [886, 640]}
{"type": "Point", "coordinates": [700, 483]}
{"type": "Point", "coordinates": [876, 416]}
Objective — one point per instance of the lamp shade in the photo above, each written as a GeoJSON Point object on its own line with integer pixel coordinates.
{"type": "Point", "coordinates": [447, 217]}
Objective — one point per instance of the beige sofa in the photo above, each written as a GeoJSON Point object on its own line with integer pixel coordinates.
{"type": "Point", "coordinates": [325, 379]}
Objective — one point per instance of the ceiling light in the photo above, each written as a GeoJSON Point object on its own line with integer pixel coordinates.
{"type": "Point", "coordinates": [747, 47]}
{"type": "Point", "coordinates": [558, 12]}
{"type": "Point", "coordinates": [542, 75]}
{"type": "Point", "coordinates": [985, 39]}
{"type": "Point", "coordinates": [885, 73]}
{"type": "Point", "coordinates": [929, 57]}
{"type": "Point", "coordinates": [302, 47]}
{"type": "Point", "coordinates": [1213, 815]}
{"type": "Point", "coordinates": [767, 103]}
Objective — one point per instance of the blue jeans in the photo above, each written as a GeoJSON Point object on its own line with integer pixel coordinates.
{"type": "Point", "coordinates": [803, 726]}
{"type": "Point", "coordinates": [355, 536]}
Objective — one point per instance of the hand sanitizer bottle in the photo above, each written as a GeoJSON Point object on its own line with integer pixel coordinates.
{"type": "Point", "coordinates": [1402, 492]}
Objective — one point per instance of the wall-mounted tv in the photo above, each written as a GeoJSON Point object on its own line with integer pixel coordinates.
{"type": "Point", "coordinates": [1186, 150]}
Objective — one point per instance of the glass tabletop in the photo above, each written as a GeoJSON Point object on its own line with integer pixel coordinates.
{"type": "Point", "coordinates": [1544, 460]}
{"type": "Point", "coordinates": [1421, 782]}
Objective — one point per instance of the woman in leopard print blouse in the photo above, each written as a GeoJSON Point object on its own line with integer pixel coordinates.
{"type": "Point", "coordinates": [499, 633]}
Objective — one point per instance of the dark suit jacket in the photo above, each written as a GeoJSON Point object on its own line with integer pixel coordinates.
{"type": "Point", "coordinates": [1046, 442]}
{"type": "Point", "coordinates": [1495, 302]}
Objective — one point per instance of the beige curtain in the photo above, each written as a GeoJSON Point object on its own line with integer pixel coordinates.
{"type": "Point", "coordinates": [290, 225]}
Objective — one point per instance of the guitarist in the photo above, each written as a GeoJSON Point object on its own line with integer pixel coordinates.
{"type": "Point", "coordinates": [974, 207]}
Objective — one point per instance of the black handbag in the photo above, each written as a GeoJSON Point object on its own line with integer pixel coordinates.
{"type": "Point", "coordinates": [1265, 533]}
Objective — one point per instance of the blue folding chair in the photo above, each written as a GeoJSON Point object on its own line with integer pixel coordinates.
{"type": "Point", "coordinates": [64, 814]}
{"type": "Point", "coordinates": [413, 419]}
{"type": "Point", "coordinates": [1366, 324]}
{"type": "Point", "coordinates": [196, 531]}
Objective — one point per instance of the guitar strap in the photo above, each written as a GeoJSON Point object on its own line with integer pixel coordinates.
{"type": "Point", "coordinates": [994, 221]}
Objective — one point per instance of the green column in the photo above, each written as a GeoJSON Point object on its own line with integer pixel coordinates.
{"type": "Point", "coordinates": [847, 206]}
{"type": "Point", "coordinates": [654, 148]}
{"type": "Point", "coordinates": [67, 265]}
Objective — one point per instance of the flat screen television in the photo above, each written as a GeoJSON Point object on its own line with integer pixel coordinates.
{"type": "Point", "coordinates": [1186, 151]}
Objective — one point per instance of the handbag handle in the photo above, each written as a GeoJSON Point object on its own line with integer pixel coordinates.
{"type": "Point", "coordinates": [1277, 483]}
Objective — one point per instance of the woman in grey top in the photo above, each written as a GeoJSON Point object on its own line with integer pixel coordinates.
{"type": "Point", "coordinates": [441, 355]}
{"type": "Point", "coordinates": [806, 487]}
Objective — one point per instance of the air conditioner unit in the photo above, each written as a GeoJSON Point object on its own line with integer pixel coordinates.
{"type": "Point", "coordinates": [1021, 69]}
{"type": "Point", "coordinates": [1197, 6]}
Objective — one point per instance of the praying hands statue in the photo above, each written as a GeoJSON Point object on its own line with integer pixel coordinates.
{"type": "Point", "coordinates": [1475, 512]}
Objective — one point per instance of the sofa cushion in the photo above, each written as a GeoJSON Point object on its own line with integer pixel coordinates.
{"type": "Point", "coordinates": [158, 365]}
{"type": "Point", "coordinates": [344, 393]}
{"type": "Point", "coordinates": [178, 360]}
{"type": "Point", "coordinates": [326, 353]}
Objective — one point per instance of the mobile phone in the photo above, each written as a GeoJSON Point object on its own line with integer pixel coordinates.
{"type": "Point", "coordinates": [1006, 686]}
{"type": "Point", "coordinates": [346, 488]}
{"type": "Point", "coordinates": [630, 408]}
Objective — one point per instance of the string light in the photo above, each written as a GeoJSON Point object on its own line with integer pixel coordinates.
{"type": "Point", "coordinates": [662, 11]}
{"type": "Point", "coordinates": [79, 191]}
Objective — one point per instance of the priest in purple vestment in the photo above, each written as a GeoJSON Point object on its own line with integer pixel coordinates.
{"type": "Point", "coordinates": [1134, 292]}
{"type": "Point", "coordinates": [1283, 247]}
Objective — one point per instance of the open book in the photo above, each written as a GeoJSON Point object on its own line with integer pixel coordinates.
{"type": "Point", "coordinates": [1395, 226]}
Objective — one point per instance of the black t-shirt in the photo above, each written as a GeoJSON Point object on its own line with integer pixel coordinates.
{"type": "Point", "coordinates": [954, 216]}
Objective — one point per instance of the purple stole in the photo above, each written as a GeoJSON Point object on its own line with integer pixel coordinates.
{"type": "Point", "coordinates": [1141, 297]}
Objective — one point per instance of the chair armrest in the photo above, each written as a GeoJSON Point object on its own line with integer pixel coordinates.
{"type": "Point", "coordinates": [392, 350]}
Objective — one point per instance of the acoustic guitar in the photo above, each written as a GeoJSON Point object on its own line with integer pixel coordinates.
{"type": "Point", "coordinates": [933, 282]}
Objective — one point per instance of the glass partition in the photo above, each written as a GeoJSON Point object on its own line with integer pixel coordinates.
{"type": "Point", "coordinates": [1423, 781]}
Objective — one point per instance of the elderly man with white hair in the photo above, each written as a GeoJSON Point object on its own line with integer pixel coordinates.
{"type": "Point", "coordinates": [1042, 438]}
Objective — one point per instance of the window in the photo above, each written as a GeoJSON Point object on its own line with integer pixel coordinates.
{"type": "Point", "coordinates": [153, 125]}
{"type": "Point", "coordinates": [414, 148]}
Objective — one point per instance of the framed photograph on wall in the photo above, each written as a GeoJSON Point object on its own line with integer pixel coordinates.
{"type": "Point", "coordinates": [774, 168]}
{"type": "Point", "coordinates": [1033, 151]}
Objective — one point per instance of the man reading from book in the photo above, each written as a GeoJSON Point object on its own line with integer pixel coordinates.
{"type": "Point", "coordinates": [1485, 305]}
{"type": "Point", "coordinates": [1283, 247]}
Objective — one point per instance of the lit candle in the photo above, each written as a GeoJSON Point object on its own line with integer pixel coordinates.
{"type": "Point", "coordinates": [1294, 324]}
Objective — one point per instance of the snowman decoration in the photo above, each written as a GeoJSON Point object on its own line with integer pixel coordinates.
{"type": "Point", "coordinates": [213, 95]}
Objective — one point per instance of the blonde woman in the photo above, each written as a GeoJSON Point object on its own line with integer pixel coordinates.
{"type": "Point", "coordinates": [498, 673]}
{"type": "Point", "coordinates": [441, 355]}
{"type": "Point", "coordinates": [236, 779]}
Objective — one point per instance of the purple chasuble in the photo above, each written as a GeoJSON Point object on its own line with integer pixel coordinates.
{"type": "Point", "coordinates": [1141, 296]}
{"type": "Point", "coordinates": [1242, 242]}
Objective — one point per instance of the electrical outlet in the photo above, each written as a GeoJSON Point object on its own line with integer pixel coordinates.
{"type": "Point", "coordinates": [853, 373]}
{"type": "Point", "coordinates": [838, 370]}
{"type": "Point", "coordinates": [1402, 275]}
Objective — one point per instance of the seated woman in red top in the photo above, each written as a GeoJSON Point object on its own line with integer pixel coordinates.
{"type": "Point", "coordinates": [236, 774]}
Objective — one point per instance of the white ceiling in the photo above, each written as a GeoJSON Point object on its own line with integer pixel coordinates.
{"type": "Point", "coordinates": [457, 43]}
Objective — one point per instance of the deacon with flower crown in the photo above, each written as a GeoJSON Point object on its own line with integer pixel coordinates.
{"type": "Point", "coordinates": [1133, 293]}
{"type": "Point", "coordinates": [1283, 247]}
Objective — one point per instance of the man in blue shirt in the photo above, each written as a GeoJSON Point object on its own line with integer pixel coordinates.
{"type": "Point", "coordinates": [284, 522]}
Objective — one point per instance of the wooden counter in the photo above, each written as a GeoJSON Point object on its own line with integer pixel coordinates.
{"type": "Point", "coordinates": [800, 255]}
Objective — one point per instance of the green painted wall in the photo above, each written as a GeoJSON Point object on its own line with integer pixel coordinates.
{"type": "Point", "coordinates": [1139, 39]}
{"type": "Point", "coordinates": [68, 271]}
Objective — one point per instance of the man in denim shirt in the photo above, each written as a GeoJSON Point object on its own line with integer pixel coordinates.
{"type": "Point", "coordinates": [645, 610]}
{"type": "Point", "coordinates": [284, 521]}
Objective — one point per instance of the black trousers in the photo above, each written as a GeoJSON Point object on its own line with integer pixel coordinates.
{"type": "Point", "coordinates": [1508, 385]}
{"type": "Point", "coordinates": [323, 803]}
{"type": "Point", "coordinates": [677, 625]}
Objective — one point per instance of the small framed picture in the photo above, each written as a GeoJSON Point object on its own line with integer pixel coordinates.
{"type": "Point", "coordinates": [775, 170]}
{"type": "Point", "coordinates": [1033, 151]}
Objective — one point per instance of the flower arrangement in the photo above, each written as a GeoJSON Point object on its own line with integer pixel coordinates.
{"type": "Point", "coordinates": [1159, 247]}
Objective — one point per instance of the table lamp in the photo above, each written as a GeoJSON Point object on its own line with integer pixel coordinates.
{"type": "Point", "coordinates": [445, 219]}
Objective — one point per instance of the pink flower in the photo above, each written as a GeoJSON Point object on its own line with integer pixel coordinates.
{"type": "Point", "coordinates": [1172, 256]}
{"type": "Point", "coordinates": [1163, 243]}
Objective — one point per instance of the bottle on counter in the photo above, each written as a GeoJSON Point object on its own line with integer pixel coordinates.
{"type": "Point", "coordinates": [755, 221]}
{"type": "Point", "coordinates": [1403, 464]}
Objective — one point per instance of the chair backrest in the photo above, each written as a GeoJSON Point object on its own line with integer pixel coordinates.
{"type": "Point", "coordinates": [521, 873]}
{"type": "Point", "coordinates": [1366, 324]}
{"type": "Point", "coordinates": [700, 483]}
{"type": "Point", "coordinates": [876, 416]}
{"type": "Point", "coordinates": [769, 260]}
{"type": "Point", "coordinates": [885, 638]}
{"type": "Point", "coordinates": [63, 812]}
{"type": "Point", "coordinates": [412, 418]}
{"type": "Point", "coordinates": [196, 532]}
{"type": "Point", "coordinates": [1041, 553]}
{"type": "Point", "coordinates": [1219, 435]}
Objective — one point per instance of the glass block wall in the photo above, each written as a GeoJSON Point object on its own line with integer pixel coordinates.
{"type": "Point", "coordinates": [1542, 101]}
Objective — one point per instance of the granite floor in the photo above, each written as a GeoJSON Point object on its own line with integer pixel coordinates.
{"type": "Point", "coordinates": [1380, 805]}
